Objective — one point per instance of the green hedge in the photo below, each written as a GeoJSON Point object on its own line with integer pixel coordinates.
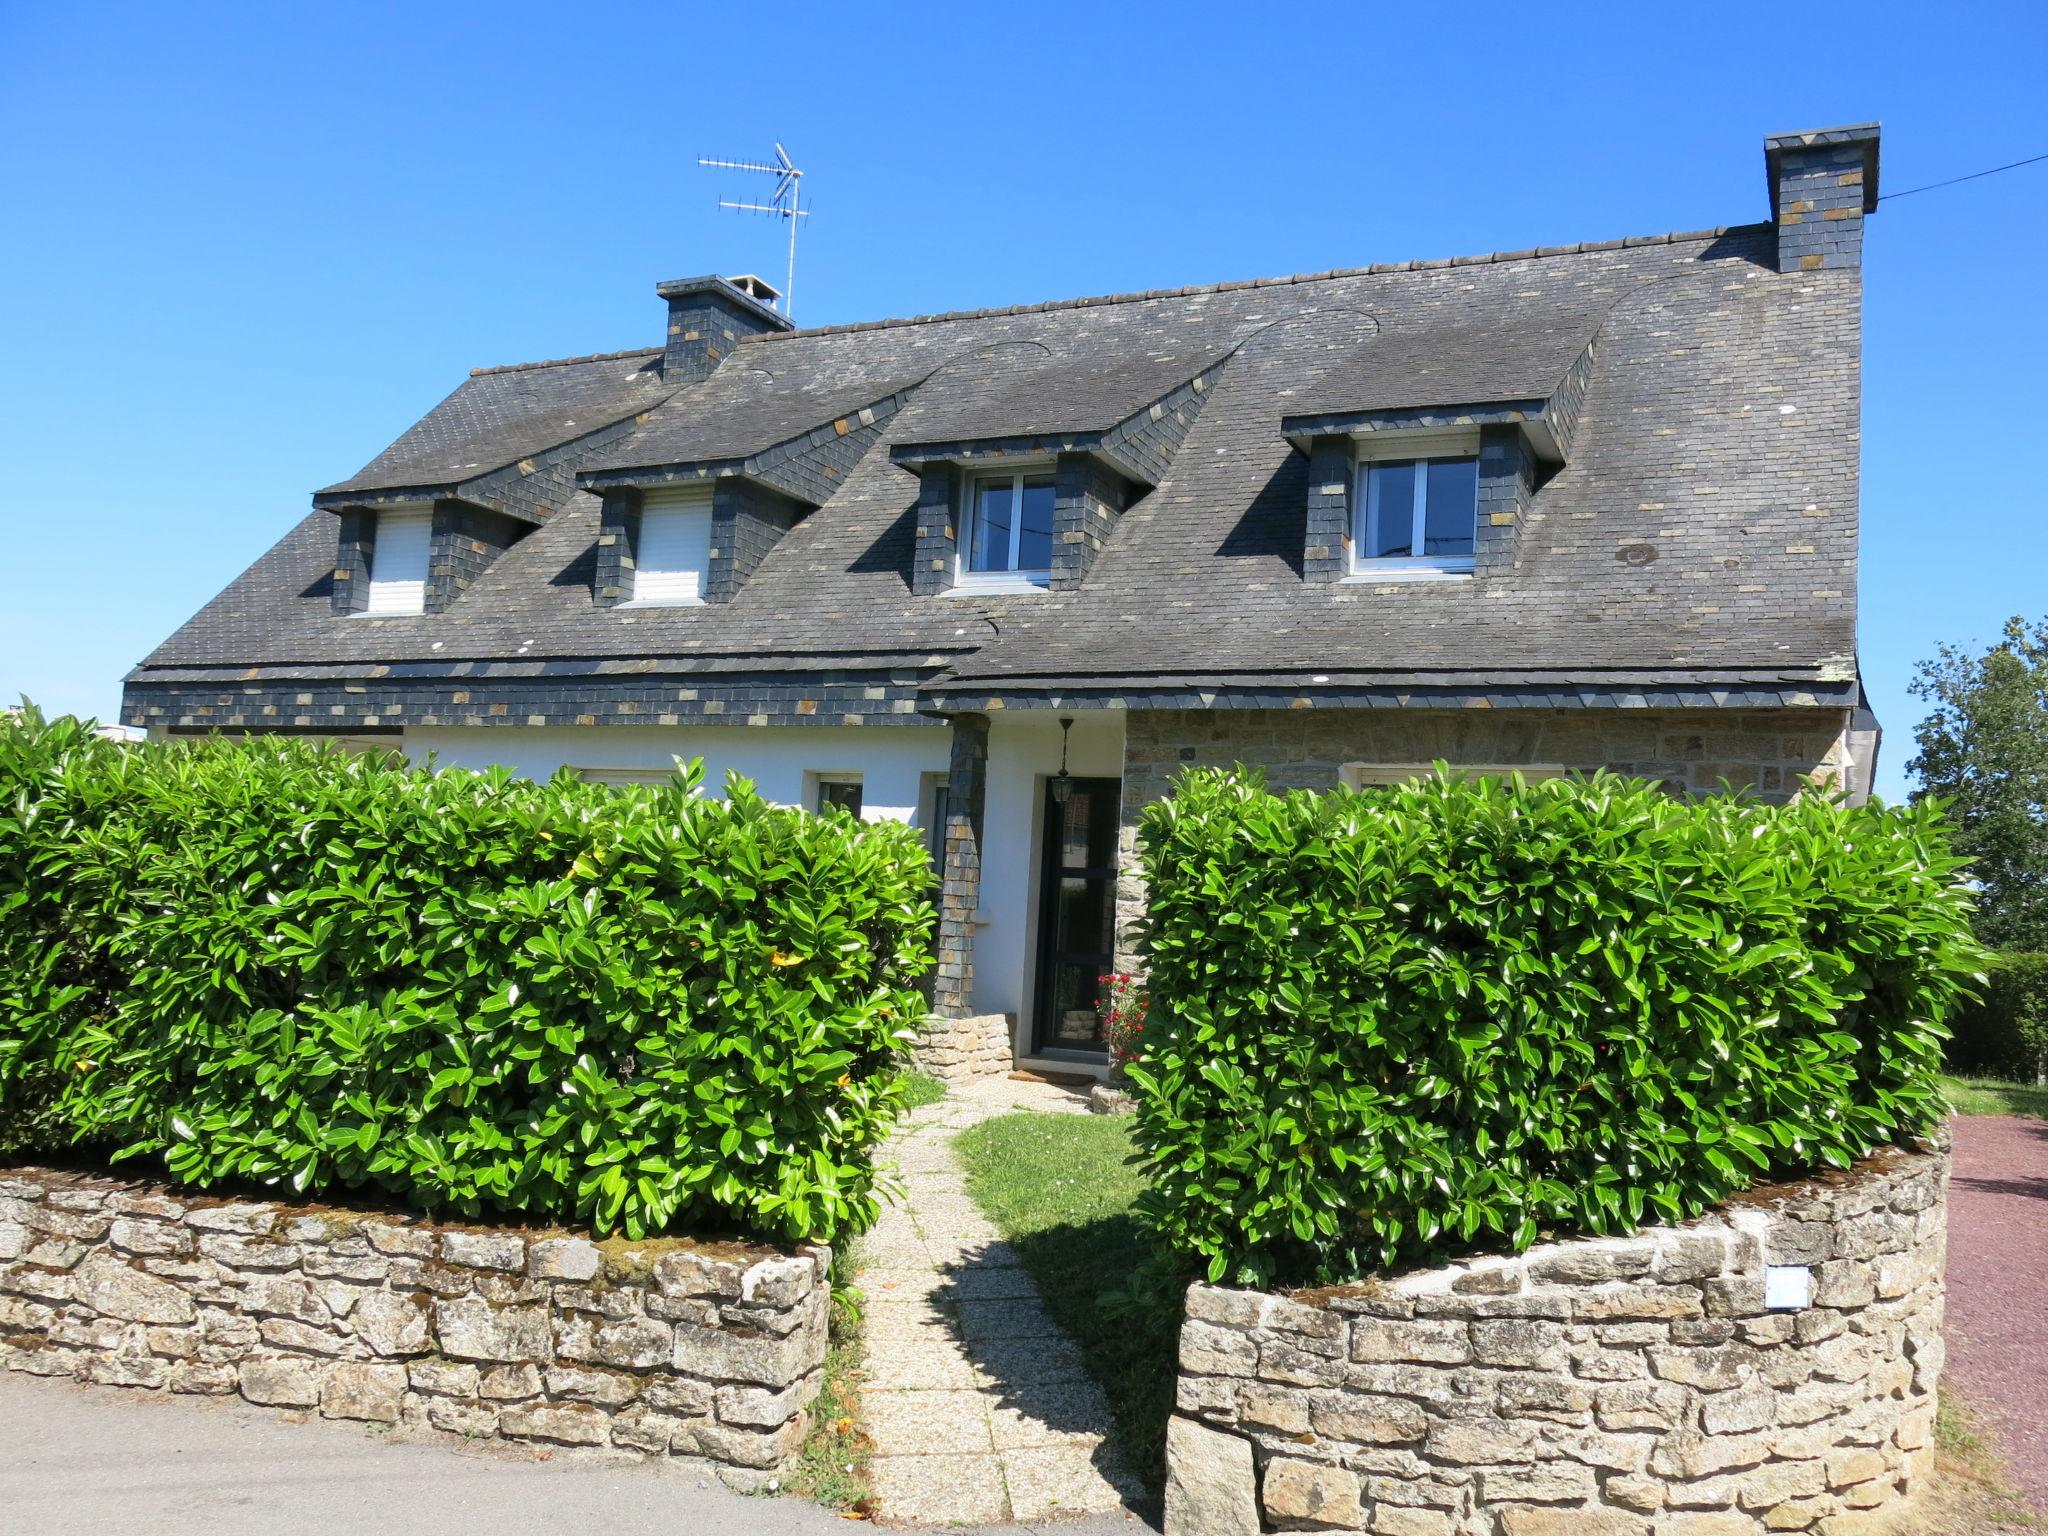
{"type": "Point", "coordinates": [636, 1009]}
{"type": "Point", "coordinates": [2004, 1033]}
{"type": "Point", "coordinates": [1390, 1024]}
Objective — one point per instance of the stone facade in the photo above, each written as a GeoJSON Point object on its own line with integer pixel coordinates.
{"type": "Point", "coordinates": [1770, 752]}
{"type": "Point", "coordinates": [960, 878]}
{"type": "Point", "coordinates": [1771, 1368]}
{"type": "Point", "coordinates": [664, 1347]}
{"type": "Point", "coordinates": [958, 1050]}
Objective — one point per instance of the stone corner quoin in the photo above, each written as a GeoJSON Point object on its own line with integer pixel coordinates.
{"type": "Point", "coordinates": [1768, 1368]}
{"type": "Point", "coordinates": [662, 1347]}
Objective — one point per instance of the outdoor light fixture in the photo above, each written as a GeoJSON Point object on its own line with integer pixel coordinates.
{"type": "Point", "coordinates": [1063, 785]}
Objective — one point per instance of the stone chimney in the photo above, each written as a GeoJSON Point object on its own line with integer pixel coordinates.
{"type": "Point", "coordinates": [1823, 185]}
{"type": "Point", "coordinates": [707, 316]}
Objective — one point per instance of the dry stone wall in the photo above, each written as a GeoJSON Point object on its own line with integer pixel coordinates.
{"type": "Point", "coordinates": [960, 1050]}
{"type": "Point", "coordinates": [1769, 1369]}
{"type": "Point", "coordinates": [666, 1348]}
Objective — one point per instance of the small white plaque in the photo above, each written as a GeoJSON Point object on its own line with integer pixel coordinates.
{"type": "Point", "coordinates": [1788, 1287]}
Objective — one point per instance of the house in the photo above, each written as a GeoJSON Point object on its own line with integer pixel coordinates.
{"type": "Point", "coordinates": [1002, 573]}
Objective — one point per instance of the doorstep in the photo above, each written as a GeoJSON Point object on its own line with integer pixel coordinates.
{"type": "Point", "coordinates": [1056, 1067]}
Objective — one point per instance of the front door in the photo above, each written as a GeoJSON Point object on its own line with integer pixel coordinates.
{"type": "Point", "coordinates": [1076, 916]}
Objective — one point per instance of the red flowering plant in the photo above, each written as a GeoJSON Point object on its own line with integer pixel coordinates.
{"type": "Point", "coordinates": [1122, 1007]}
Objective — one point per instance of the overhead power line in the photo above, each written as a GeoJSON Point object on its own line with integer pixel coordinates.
{"type": "Point", "coordinates": [1973, 176]}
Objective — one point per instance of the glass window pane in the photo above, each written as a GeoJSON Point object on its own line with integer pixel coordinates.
{"type": "Point", "coordinates": [992, 516]}
{"type": "Point", "coordinates": [1452, 513]}
{"type": "Point", "coordinates": [843, 793]}
{"type": "Point", "coordinates": [1034, 545]}
{"type": "Point", "coordinates": [1390, 510]}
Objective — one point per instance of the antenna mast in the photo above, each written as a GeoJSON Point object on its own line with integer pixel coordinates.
{"type": "Point", "coordinates": [785, 202]}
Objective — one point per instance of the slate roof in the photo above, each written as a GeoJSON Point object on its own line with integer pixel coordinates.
{"type": "Point", "coordinates": [502, 415]}
{"type": "Point", "coordinates": [1052, 395]}
{"type": "Point", "coordinates": [1703, 528]}
{"type": "Point", "coordinates": [1511, 356]}
{"type": "Point", "coordinates": [737, 415]}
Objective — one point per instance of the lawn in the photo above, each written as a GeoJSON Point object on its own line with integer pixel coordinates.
{"type": "Point", "coordinates": [1993, 1096]}
{"type": "Point", "coordinates": [1058, 1189]}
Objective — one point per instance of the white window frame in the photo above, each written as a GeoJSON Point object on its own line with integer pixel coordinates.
{"type": "Point", "coordinates": [965, 577]}
{"type": "Point", "coordinates": [1386, 775]}
{"type": "Point", "coordinates": [390, 595]}
{"type": "Point", "coordinates": [692, 501]}
{"type": "Point", "coordinates": [1422, 448]}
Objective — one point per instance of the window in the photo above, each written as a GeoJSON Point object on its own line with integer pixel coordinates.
{"type": "Point", "coordinates": [838, 789]}
{"type": "Point", "coordinates": [1008, 534]}
{"type": "Point", "coordinates": [1416, 515]}
{"type": "Point", "coordinates": [398, 562]}
{"type": "Point", "coordinates": [674, 548]}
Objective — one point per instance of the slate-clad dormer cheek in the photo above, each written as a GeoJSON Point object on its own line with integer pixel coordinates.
{"type": "Point", "coordinates": [1406, 491]}
{"type": "Point", "coordinates": [407, 557]}
{"type": "Point", "coordinates": [1020, 487]}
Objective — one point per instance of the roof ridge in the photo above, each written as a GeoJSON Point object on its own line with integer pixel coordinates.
{"type": "Point", "coordinates": [1193, 289]}
{"type": "Point", "coordinates": [559, 362]}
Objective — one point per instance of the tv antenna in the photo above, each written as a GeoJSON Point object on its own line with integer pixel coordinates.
{"type": "Point", "coordinates": [785, 202]}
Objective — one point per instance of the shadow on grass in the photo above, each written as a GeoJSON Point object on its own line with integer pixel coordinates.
{"type": "Point", "coordinates": [1059, 1188]}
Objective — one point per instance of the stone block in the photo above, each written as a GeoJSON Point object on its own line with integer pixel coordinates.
{"type": "Point", "coordinates": [240, 1217]}
{"type": "Point", "coordinates": [282, 1383]}
{"type": "Point", "coordinates": [442, 1378]}
{"type": "Point", "coordinates": [1526, 1520]}
{"type": "Point", "coordinates": [608, 1389]}
{"type": "Point", "coordinates": [1362, 1418]}
{"type": "Point", "coordinates": [355, 1390]}
{"type": "Point", "coordinates": [115, 1289]}
{"type": "Point", "coordinates": [1211, 1488]}
{"type": "Point", "coordinates": [1311, 1492]}
{"type": "Point", "coordinates": [510, 1383]}
{"type": "Point", "coordinates": [484, 1250]}
{"type": "Point", "coordinates": [564, 1258]}
{"type": "Point", "coordinates": [564, 1423]}
{"type": "Point", "coordinates": [1520, 1344]}
{"type": "Point", "coordinates": [1426, 1343]}
{"type": "Point", "coordinates": [472, 1329]}
{"type": "Point", "coordinates": [471, 1420]}
{"type": "Point", "coordinates": [391, 1324]}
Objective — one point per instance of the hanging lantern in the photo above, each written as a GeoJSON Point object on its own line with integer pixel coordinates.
{"type": "Point", "coordinates": [1063, 784]}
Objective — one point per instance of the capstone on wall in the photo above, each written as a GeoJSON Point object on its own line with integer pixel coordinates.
{"type": "Point", "coordinates": [1770, 752]}
{"type": "Point", "coordinates": [667, 1348]}
{"type": "Point", "coordinates": [1769, 1368]}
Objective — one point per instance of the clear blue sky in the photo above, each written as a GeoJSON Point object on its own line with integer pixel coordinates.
{"type": "Point", "coordinates": [242, 248]}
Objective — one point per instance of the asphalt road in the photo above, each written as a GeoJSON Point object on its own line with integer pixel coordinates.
{"type": "Point", "coordinates": [106, 1461]}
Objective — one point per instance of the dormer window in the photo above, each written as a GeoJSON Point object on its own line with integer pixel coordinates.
{"type": "Point", "coordinates": [673, 551]}
{"type": "Point", "coordinates": [1008, 532]}
{"type": "Point", "coordinates": [398, 563]}
{"type": "Point", "coordinates": [1416, 509]}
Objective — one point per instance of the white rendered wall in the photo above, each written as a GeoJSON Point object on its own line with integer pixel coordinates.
{"type": "Point", "coordinates": [1023, 752]}
{"type": "Point", "coordinates": [891, 760]}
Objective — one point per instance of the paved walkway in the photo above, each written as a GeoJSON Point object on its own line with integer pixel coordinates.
{"type": "Point", "coordinates": [981, 1410]}
{"type": "Point", "coordinates": [1998, 1287]}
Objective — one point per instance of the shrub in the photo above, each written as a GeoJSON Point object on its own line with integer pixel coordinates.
{"type": "Point", "coordinates": [2004, 1033]}
{"type": "Point", "coordinates": [1390, 1024]}
{"type": "Point", "coordinates": [268, 961]}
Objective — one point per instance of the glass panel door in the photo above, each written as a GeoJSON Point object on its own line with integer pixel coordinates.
{"type": "Point", "coordinates": [1077, 916]}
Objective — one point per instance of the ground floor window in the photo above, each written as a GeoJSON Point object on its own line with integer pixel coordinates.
{"type": "Point", "coordinates": [841, 790]}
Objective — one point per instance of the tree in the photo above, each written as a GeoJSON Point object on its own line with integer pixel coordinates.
{"type": "Point", "coordinates": [1984, 753]}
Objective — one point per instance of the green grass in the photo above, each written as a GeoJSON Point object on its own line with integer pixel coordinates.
{"type": "Point", "coordinates": [1057, 1187]}
{"type": "Point", "coordinates": [920, 1090]}
{"type": "Point", "coordinates": [1993, 1096]}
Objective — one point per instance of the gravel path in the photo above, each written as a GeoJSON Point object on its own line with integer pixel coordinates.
{"type": "Point", "coordinates": [980, 1409]}
{"type": "Point", "coordinates": [1998, 1287]}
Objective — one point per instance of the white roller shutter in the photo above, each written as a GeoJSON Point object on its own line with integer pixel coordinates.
{"type": "Point", "coordinates": [398, 562]}
{"type": "Point", "coordinates": [674, 549]}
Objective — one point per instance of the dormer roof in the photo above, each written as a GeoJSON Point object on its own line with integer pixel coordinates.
{"type": "Point", "coordinates": [1513, 367]}
{"type": "Point", "coordinates": [499, 417]}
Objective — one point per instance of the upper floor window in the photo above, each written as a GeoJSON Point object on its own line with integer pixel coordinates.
{"type": "Point", "coordinates": [673, 551]}
{"type": "Point", "coordinates": [1416, 515]}
{"type": "Point", "coordinates": [1008, 537]}
{"type": "Point", "coordinates": [398, 562]}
